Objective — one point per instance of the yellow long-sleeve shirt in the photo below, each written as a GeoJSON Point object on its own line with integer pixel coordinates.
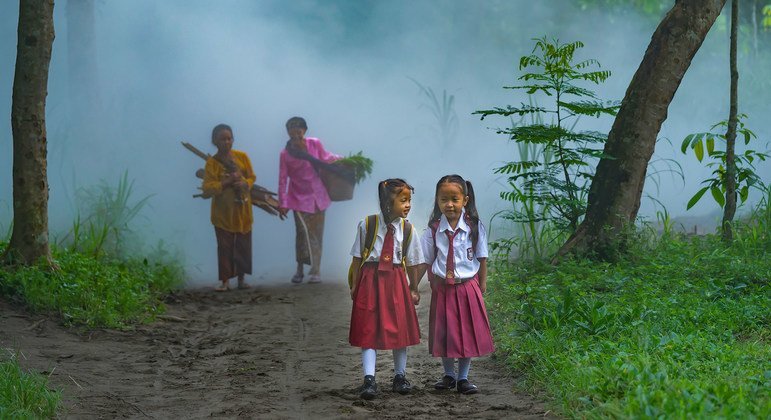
{"type": "Point", "coordinates": [226, 212]}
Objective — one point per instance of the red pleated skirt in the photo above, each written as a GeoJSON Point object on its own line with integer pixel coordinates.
{"type": "Point", "coordinates": [458, 324]}
{"type": "Point", "coordinates": [383, 316]}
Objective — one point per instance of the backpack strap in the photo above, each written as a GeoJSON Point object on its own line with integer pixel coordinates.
{"type": "Point", "coordinates": [370, 227]}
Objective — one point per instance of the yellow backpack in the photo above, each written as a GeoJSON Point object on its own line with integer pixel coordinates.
{"type": "Point", "coordinates": [370, 227]}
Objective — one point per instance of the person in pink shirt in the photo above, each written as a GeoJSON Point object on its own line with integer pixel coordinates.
{"type": "Point", "coordinates": [300, 189]}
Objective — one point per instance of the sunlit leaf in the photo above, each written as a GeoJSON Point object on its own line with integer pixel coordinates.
{"type": "Point", "coordinates": [698, 149]}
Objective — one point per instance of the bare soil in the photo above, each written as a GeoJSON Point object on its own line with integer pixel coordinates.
{"type": "Point", "coordinates": [278, 351]}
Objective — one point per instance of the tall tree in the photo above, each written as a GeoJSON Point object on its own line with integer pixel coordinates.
{"type": "Point", "coordinates": [730, 137]}
{"type": "Point", "coordinates": [29, 239]}
{"type": "Point", "coordinates": [614, 197]}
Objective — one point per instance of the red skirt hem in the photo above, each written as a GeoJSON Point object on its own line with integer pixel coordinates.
{"type": "Point", "coordinates": [458, 324]}
{"type": "Point", "coordinates": [383, 317]}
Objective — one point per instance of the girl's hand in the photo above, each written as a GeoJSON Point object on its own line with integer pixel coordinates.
{"type": "Point", "coordinates": [483, 287]}
{"type": "Point", "coordinates": [415, 297]}
{"type": "Point", "coordinates": [353, 290]}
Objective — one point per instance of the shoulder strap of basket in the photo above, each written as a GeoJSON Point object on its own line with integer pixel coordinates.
{"type": "Point", "coordinates": [319, 164]}
{"type": "Point", "coordinates": [370, 227]}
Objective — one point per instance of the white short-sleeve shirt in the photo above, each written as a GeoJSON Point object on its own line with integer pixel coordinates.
{"type": "Point", "coordinates": [466, 257]}
{"type": "Point", "coordinates": [414, 254]}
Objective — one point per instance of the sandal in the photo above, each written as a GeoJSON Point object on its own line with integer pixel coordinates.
{"type": "Point", "coordinates": [222, 288]}
{"type": "Point", "coordinates": [242, 285]}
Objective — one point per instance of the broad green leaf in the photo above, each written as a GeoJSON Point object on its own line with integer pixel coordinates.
{"type": "Point", "coordinates": [698, 149]}
{"type": "Point", "coordinates": [686, 142]}
{"type": "Point", "coordinates": [717, 195]}
{"type": "Point", "coordinates": [696, 197]}
{"type": "Point", "coordinates": [710, 145]}
{"type": "Point", "coordinates": [744, 193]}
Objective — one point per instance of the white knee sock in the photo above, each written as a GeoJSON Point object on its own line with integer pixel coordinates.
{"type": "Point", "coordinates": [464, 365]}
{"type": "Point", "coordinates": [449, 366]}
{"type": "Point", "coordinates": [368, 357]}
{"type": "Point", "coordinates": [400, 361]}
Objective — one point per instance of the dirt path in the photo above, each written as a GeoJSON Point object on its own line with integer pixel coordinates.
{"type": "Point", "coordinates": [271, 352]}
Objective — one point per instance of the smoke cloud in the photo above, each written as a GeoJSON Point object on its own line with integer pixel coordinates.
{"type": "Point", "coordinates": [169, 71]}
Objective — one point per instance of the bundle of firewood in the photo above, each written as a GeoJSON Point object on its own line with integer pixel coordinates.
{"type": "Point", "coordinates": [261, 196]}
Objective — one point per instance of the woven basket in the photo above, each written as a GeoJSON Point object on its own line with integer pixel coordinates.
{"type": "Point", "coordinates": [339, 188]}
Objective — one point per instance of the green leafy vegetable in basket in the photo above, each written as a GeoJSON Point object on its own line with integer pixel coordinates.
{"type": "Point", "coordinates": [361, 165]}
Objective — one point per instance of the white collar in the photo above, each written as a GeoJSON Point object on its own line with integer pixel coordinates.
{"type": "Point", "coordinates": [462, 225]}
{"type": "Point", "coordinates": [381, 221]}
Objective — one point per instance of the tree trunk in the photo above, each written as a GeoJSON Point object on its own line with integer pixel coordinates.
{"type": "Point", "coordinates": [614, 197]}
{"type": "Point", "coordinates": [29, 240]}
{"type": "Point", "coordinates": [730, 159]}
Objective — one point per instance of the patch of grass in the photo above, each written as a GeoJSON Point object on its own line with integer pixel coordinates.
{"type": "Point", "coordinates": [680, 329]}
{"type": "Point", "coordinates": [23, 394]}
{"type": "Point", "coordinates": [91, 291]}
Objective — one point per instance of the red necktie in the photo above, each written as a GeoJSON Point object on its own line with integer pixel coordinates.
{"type": "Point", "coordinates": [450, 269]}
{"type": "Point", "coordinates": [387, 252]}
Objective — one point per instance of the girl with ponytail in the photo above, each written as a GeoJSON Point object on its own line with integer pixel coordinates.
{"type": "Point", "coordinates": [383, 316]}
{"type": "Point", "coordinates": [455, 251]}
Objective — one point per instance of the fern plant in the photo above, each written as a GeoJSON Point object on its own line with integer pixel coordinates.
{"type": "Point", "coordinates": [559, 185]}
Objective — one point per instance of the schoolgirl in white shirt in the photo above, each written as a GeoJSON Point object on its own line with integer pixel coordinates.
{"type": "Point", "coordinates": [455, 251]}
{"type": "Point", "coordinates": [383, 316]}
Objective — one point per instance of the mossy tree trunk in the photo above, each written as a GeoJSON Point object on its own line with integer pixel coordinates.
{"type": "Point", "coordinates": [29, 239]}
{"type": "Point", "coordinates": [614, 197]}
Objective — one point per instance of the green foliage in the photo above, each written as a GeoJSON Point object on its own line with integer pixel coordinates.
{"type": "Point", "coordinates": [557, 185]}
{"type": "Point", "coordinates": [106, 228]}
{"type": "Point", "coordinates": [443, 111]}
{"type": "Point", "coordinates": [654, 8]}
{"type": "Point", "coordinates": [91, 291]}
{"type": "Point", "coordinates": [766, 22]}
{"type": "Point", "coordinates": [679, 329]}
{"type": "Point", "coordinates": [746, 177]}
{"type": "Point", "coordinates": [535, 237]}
{"type": "Point", "coordinates": [25, 395]}
{"type": "Point", "coordinates": [362, 166]}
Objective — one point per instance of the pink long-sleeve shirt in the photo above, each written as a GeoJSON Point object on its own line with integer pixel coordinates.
{"type": "Point", "coordinates": [304, 192]}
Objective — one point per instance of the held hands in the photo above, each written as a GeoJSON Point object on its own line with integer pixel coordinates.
{"type": "Point", "coordinates": [283, 211]}
{"type": "Point", "coordinates": [415, 297]}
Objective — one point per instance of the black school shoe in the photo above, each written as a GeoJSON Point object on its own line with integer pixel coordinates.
{"type": "Point", "coordinates": [466, 388]}
{"type": "Point", "coordinates": [447, 382]}
{"type": "Point", "coordinates": [369, 389]}
{"type": "Point", "coordinates": [402, 385]}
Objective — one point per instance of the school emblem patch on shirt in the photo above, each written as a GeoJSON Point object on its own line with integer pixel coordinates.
{"type": "Point", "coordinates": [470, 253]}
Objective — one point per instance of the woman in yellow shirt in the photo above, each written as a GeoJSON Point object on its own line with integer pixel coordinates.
{"type": "Point", "coordinates": [228, 179]}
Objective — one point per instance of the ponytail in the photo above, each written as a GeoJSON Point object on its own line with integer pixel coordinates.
{"type": "Point", "coordinates": [472, 215]}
